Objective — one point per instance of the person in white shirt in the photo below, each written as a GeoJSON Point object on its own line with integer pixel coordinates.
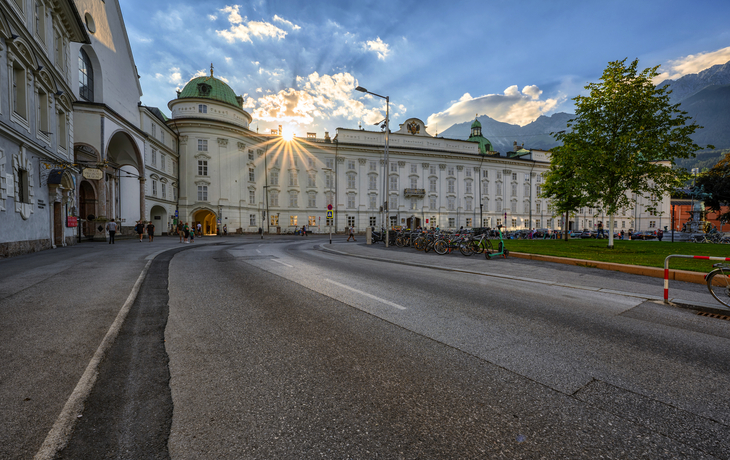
{"type": "Point", "coordinates": [111, 226]}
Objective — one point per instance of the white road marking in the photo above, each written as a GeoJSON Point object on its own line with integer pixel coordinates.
{"type": "Point", "coordinates": [387, 302]}
{"type": "Point", "coordinates": [282, 263]}
{"type": "Point", "coordinates": [258, 251]}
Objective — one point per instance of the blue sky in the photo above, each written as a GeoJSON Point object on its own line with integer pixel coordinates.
{"type": "Point", "coordinates": [297, 62]}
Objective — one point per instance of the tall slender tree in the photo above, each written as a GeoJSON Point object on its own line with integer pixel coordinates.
{"type": "Point", "coordinates": [623, 141]}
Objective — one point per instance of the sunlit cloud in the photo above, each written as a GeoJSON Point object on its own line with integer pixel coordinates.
{"type": "Point", "coordinates": [318, 97]}
{"type": "Point", "coordinates": [514, 106]}
{"type": "Point", "coordinates": [288, 23]}
{"type": "Point", "coordinates": [694, 63]}
{"type": "Point", "coordinates": [379, 46]}
{"type": "Point", "coordinates": [212, 17]}
{"type": "Point", "coordinates": [243, 31]}
{"type": "Point", "coordinates": [175, 76]}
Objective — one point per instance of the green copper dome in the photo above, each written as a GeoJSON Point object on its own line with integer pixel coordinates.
{"type": "Point", "coordinates": [476, 124]}
{"type": "Point", "coordinates": [210, 88]}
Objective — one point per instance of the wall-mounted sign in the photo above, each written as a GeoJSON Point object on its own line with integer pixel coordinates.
{"type": "Point", "coordinates": [92, 174]}
{"type": "Point", "coordinates": [72, 221]}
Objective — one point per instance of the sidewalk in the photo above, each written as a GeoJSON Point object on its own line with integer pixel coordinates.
{"type": "Point", "coordinates": [544, 270]}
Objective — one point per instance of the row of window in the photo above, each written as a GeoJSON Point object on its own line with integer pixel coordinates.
{"type": "Point", "coordinates": [163, 189]}
{"type": "Point", "coordinates": [164, 163]}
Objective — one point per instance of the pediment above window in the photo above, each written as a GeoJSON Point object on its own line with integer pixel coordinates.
{"type": "Point", "coordinates": [203, 156]}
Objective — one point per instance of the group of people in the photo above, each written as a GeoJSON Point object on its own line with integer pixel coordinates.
{"type": "Point", "coordinates": [112, 227]}
{"type": "Point", "coordinates": [186, 233]}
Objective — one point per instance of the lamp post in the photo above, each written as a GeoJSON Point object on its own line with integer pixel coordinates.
{"type": "Point", "coordinates": [481, 205]}
{"type": "Point", "coordinates": [385, 217]}
{"type": "Point", "coordinates": [266, 195]}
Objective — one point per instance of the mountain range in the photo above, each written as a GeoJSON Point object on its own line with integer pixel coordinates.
{"type": "Point", "coordinates": [705, 96]}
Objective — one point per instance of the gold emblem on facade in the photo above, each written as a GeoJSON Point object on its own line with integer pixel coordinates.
{"type": "Point", "coordinates": [414, 128]}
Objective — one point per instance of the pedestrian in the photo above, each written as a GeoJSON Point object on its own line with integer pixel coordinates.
{"type": "Point", "coordinates": [200, 229]}
{"type": "Point", "coordinates": [352, 234]}
{"type": "Point", "coordinates": [304, 230]}
{"type": "Point", "coordinates": [192, 236]}
{"type": "Point", "coordinates": [659, 234]}
{"type": "Point", "coordinates": [600, 229]}
{"type": "Point", "coordinates": [150, 231]}
{"type": "Point", "coordinates": [180, 230]}
{"type": "Point", "coordinates": [622, 234]}
{"type": "Point", "coordinates": [111, 226]}
{"type": "Point", "coordinates": [186, 232]}
{"type": "Point", "coordinates": [139, 228]}
{"type": "Point", "coordinates": [225, 229]}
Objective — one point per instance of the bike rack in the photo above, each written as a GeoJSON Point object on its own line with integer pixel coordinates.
{"type": "Point", "coordinates": [681, 256]}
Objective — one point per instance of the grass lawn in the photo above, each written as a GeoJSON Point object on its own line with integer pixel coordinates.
{"type": "Point", "coordinates": [647, 253]}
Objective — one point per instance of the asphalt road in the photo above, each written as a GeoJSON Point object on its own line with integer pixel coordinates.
{"type": "Point", "coordinates": [278, 349]}
{"type": "Point", "coordinates": [284, 351]}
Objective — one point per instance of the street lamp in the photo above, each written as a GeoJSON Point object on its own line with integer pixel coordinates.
{"type": "Point", "coordinates": [481, 205]}
{"type": "Point", "coordinates": [385, 215]}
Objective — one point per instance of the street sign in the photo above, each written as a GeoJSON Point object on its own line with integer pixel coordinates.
{"type": "Point", "coordinates": [176, 213]}
{"type": "Point", "coordinates": [329, 208]}
{"type": "Point", "coordinates": [329, 214]}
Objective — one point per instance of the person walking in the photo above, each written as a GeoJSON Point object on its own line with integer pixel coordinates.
{"type": "Point", "coordinates": [225, 230]}
{"type": "Point", "coordinates": [180, 230]}
{"type": "Point", "coordinates": [186, 232]}
{"type": "Point", "coordinates": [659, 234]}
{"type": "Point", "coordinates": [111, 226]}
{"type": "Point", "coordinates": [139, 228]}
{"type": "Point", "coordinates": [200, 229]}
{"type": "Point", "coordinates": [352, 234]}
{"type": "Point", "coordinates": [600, 230]}
{"type": "Point", "coordinates": [150, 231]}
{"type": "Point", "coordinates": [192, 236]}
{"type": "Point", "coordinates": [304, 230]}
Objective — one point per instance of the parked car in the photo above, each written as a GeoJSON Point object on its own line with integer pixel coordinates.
{"type": "Point", "coordinates": [541, 233]}
{"type": "Point", "coordinates": [587, 234]}
{"type": "Point", "coordinates": [644, 235]}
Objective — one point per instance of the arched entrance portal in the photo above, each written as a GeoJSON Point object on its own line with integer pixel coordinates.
{"type": "Point", "coordinates": [87, 207]}
{"type": "Point", "coordinates": [417, 222]}
{"type": "Point", "coordinates": [207, 219]}
{"type": "Point", "coordinates": [124, 189]}
{"type": "Point", "coordinates": [158, 217]}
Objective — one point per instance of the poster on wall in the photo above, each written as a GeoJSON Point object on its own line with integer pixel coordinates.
{"type": "Point", "coordinates": [72, 221]}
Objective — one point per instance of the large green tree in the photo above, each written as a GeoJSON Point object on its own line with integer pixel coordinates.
{"type": "Point", "coordinates": [717, 182]}
{"type": "Point", "coordinates": [623, 141]}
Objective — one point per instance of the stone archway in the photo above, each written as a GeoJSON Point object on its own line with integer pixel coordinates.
{"type": "Point", "coordinates": [207, 219]}
{"type": "Point", "coordinates": [124, 191]}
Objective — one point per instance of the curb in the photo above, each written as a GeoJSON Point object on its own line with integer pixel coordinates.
{"type": "Point", "coordinates": [676, 275]}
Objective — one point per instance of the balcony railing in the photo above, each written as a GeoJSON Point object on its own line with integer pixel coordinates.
{"type": "Point", "coordinates": [417, 192]}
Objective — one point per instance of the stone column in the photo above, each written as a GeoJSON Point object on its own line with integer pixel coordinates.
{"type": "Point", "coordinates": [142, 181]}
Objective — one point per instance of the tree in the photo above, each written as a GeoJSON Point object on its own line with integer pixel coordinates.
{"type": "Point", "coordinates": [717, 182]}
{"type": "Point", "coordinates": [563, 186]}
{"type": "Point", "coordinates": [623, 141]}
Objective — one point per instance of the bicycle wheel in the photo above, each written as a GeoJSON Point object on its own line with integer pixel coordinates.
{"type": "Point", "coordinates": [718, 283]}
{"type": "Point", "coordinates": [399, 242]}
{"type": "Point", "coordinates": [441, 246]}
{"type": "Point", "coordinates": [465, 249]}
{"type": "Point", "coordinates": [428, 246]}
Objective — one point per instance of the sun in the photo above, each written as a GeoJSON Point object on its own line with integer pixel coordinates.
{"type": "Point", "coordinates": [287, 134]}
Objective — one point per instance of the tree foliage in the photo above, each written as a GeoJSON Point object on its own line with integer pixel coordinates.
{"type": "Point", "coordinates": [621, 142]}
{"type": "Point", "coordinates": [717, 182]}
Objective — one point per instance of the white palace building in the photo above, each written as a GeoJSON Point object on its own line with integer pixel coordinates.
{"type": "Point", "coordinates": [78, 148]}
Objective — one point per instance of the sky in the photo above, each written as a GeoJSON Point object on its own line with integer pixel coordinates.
{"type": "Point", "coordinates": [297, 63]}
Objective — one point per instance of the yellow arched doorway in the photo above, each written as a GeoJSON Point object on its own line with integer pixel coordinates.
{"type": "Point", "coordinates": [207, 219]}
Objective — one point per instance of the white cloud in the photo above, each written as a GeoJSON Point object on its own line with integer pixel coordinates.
{"type": "Point", "coordinates": [158, 76]}
{"type": "Point", "coordinates": [379, 46]}
{"type": "Point", "coordinates": [514, 106]}
{"type": "Point", "coordinates": [318, 96]}
{"type": "Point", "coordinates": [233, 16]}
{"type": "Point", "coordinates": [693, 63]}
{"type": "Point", "coordinates": [243, 31]}
{"type": "Point", "coordinates": [175, 76]}
{"type": "Point", "coordinates": [212, 17]}
{"type": "Point", "coordinates": [228, 59]}
{"type": "Point", "coordinates": [288, 23]}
